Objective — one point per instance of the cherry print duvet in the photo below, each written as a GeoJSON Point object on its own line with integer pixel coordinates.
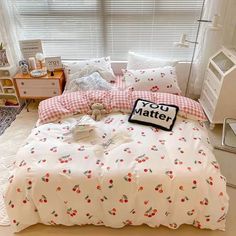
{"type": "Point", "coordinates": [123, 174]}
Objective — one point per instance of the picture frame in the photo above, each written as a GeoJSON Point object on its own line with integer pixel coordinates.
{"type": "Point", "coordinates": [3, 58]}
{"type": "Point", "coordinates": [29, 48]}
{"type": "Point", "coordinates": [53, 63]}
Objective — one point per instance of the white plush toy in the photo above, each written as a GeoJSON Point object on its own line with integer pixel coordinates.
{"type": "Point", "coordinates": [97, 110]}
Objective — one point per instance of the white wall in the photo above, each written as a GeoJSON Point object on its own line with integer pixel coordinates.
{"type": "Point", "coordinates": [229, 33]}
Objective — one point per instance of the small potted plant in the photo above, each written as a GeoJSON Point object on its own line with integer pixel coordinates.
{"type": "Point", "coordinates": [3, 56]}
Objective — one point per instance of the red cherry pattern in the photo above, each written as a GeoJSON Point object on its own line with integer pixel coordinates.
{"type": "Point", "coordinates": [65, 159]}
{"type": "Point", "coordinates": [45, 178]}
{"type": "Point", "coordinates": [112, 211]}
{"type": "Point", "coordinates": [71, 212]}
{"type": "Point", "coordinates": [129, 177]}
{"type": "Point", "coordinates": [43, 199]}
{"type": "Point", "coordinates": [123, 199]}
{"type": "Point", "coordinates": [159, 188]}
{"type": "Point", "coordinates": [150, 212]}
{"type": "Point", "coordinates": [76, 189]}
{"type": "Point", "coordinates": [141, 159]}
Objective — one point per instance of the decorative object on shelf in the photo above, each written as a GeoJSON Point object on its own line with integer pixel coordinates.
{"type": "Point", "coordinates": [38, 73]}
{"type": "Point", "coordinates": [7, 82]}
{"type": "Point", "coordinates": [3, 56]}
{"type": "Point", "coordinates": [22, 62]}
{"type": "Point", "coordinates": [9, 90]}
{"type": "Point", "coordinates": [8, 95]}
{"type": "Point", "coordinates": [32, 63]}
{"type": "Point", "coordinates": [24, 69]}
{"type": "Point", "coordinates": [218, 92]}
{"type": "Point", "coordinates": [30, 47]}
{"type": "Point", "coordinates": [40, 59]}
{"type": "Point", "coordinates": [53, 63]}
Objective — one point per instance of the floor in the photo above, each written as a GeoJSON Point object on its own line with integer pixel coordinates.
{"type": "Point", "coordinates": [26, 120]}
{"type": "Point", "coordinates": [7, 116]}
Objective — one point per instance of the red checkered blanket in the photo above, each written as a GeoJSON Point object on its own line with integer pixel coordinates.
{"type": "Point", "coordinates": [79, 102]}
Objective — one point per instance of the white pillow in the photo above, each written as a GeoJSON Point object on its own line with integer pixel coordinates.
{"type": "Point", "coordinates": [90, 82]}
{"type": "Point", "coordinates": [155, 80]}
{"type": "Point", "coordinates": [137, 61]}
{"type": "Point", "coordinates": [162, 116]}
{"type": "Point", "coordinates": [103, 63]}
{"type": "Point", "coordinates": [89, 69]}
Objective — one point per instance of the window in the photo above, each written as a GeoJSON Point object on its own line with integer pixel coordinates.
{"type": "Point", "coordinates": [93, 28]}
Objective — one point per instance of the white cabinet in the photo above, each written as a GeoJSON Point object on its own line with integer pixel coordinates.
{"type": "Point", "coordinates": [218, 97]}
{"type": "Point", "coordinates": [8, 95]}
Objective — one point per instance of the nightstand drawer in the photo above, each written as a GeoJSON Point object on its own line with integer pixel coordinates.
{"type": "Point", "coordinates": [210, 95]}
{"type": "Point", "coordinates": [207, 106]}
{"type": "Point", "coordinates": [213, 82]}
{"type": "Point", "coordinates": [37, 83]}
{"type": "Point", "coordinates": [38, 92]}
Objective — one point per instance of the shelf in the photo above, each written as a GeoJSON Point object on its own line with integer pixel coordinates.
{"type": "Point", "coordinates": [8, 87]}
{"type": "Point", "coordinates": [16, 106]}
{"type": "Point", "coordinates": [8, 94]}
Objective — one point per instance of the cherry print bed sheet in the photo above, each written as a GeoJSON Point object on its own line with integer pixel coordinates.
{"type": "Point", "coordinates": [124, 174]}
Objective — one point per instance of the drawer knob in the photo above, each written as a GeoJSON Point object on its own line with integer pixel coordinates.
{"type": "Point", "coordinates": [53, 83]}
{"type": "Point", "coordinates": [54, 92]}
{"type": "Point", "coordinates": [22, 83]}
{"type": "Point", "coordinates": [24, 92]}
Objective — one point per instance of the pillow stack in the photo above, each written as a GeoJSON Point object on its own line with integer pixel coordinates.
{"type": "Point", "coordinates": [150, 74]}
{"type": "Point", "coordinates": [76, 70]}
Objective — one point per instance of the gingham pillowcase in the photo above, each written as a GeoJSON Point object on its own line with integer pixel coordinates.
{"type": "Point", "coordinates": [68, 104]}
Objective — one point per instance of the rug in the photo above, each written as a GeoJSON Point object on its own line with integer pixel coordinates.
{"type": "Point", "coordinates": [7, 116]}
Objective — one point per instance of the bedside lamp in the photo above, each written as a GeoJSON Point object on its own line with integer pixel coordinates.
{"type": "Point", "coordinates": [40, 58]}
{"type": "Point", "coordinates": [183, 42]}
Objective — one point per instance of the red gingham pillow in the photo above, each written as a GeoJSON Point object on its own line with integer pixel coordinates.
{"type": "Point", "coordinates": [79, 102]}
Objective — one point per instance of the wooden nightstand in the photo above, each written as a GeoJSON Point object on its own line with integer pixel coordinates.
{"type": "Point", "coordinates": [29, 88]}
{"type": "Point", "coordinates": [39, 88]}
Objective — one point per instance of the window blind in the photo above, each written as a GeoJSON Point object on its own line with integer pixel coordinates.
{"type": "Point", "coordinates": [79, 29]}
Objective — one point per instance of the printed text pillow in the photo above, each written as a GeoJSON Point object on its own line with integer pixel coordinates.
{"type": "Point", "coordinates": [155, 80]}
{"type": "Point", "coordinates": [158, 115]}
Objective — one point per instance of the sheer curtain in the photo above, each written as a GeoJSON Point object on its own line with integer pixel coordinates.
{"type": "Point", "coordinates": [210, 40]}
{"type": "Point", "coordinates": [8, 32]}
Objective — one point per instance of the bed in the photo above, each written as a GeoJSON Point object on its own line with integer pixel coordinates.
{"type": "Point", "coordinates": [122, 173]}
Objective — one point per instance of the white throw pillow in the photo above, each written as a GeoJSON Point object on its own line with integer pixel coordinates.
{"type": "Point", "coordinates": [89, 69]}
{"type": "Point", "coordinates": [156, 80]}
{"type": "Point", "coordinates": [103, 63]}
{"type": "Point", "coordinates": [137, 61]}
{"type": "Point", "coordinates": [162, 116]}
{"type": "Point", "coordinates": [90, 82]}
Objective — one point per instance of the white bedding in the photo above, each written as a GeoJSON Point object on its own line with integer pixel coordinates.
{"type": "Point", "coordinates": [123, 174]}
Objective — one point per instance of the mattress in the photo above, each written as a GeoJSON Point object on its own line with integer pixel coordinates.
{"type": "Point", "coordinates": [121, 174]}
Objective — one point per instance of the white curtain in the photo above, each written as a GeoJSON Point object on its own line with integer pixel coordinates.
{"type": "Point", "coordinates": [210, 40]}
{"type": "Point", "coordinates": [8, 34]}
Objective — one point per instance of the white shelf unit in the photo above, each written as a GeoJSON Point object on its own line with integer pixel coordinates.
{"type": "Point", "coordinates": [8, 94]}
{"type": "Point", "coordinates": [218, 97]}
